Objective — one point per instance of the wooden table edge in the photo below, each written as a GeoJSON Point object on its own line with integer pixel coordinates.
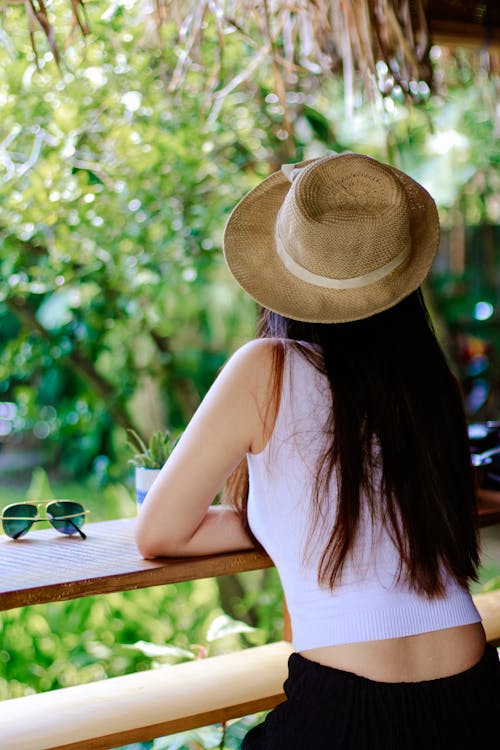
{"type": "Point", "coordinates": [159, 572]}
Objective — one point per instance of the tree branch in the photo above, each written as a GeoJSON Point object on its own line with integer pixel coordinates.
{"type": "Point", "coordinates": [78, 363]}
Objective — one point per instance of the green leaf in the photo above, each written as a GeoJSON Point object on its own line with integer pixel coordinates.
{"type": "Point", "coordinates": [56, 310]}
{"type": "Point", "coordinates": [320, 124]}
{"type": "Point", "coordinates": [135, 441]}
{"type": "Point", "coordinates": [237, 729]}
{"type": "Point", "coordinates": [208, 737]}
{"type": "Point", "coordinates": [492, 585]}
{"type": "Point", "coordinates": [225, 625]}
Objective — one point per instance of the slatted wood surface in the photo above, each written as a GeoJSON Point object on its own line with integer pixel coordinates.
{"type": "Point", "coordinates": [45, 566]}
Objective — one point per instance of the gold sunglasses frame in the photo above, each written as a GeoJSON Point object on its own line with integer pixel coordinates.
{"type": "Point", "coordinates": [38, 518]}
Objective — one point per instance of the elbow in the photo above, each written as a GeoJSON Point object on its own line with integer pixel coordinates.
{"type": "Point", "coordinates": [146, 543]}
{"type": "Point", "coordinates": [150, 547]}
{"type": "Point", "coordinates": [146, 550]}
{"type": "Point", "coordinates": [146, 553]}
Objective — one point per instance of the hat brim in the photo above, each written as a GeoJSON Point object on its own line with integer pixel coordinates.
{"type": "Point", "coordinates": [250, 252]}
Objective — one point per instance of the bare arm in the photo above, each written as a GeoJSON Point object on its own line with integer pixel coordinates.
{"type": "Point", "coordinates": [176, 518]}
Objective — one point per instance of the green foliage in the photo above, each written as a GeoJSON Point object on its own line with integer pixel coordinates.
{"type": "Point", "coordinates": [55, 645]}
{"type": "Point", "coordinates": [205, 737]}
{"type": "Point", "coordinates": [153, 455]}
{"type": "Point", "coordinates": [39, 489]}
{"type": "Point", "coordinates": [214, 737]}
{"type": "Point", "coordinates": [48, 646]}
{"type": "Point", "coordinates": [114, 500]}
{"type": "Point", "coordinates": [492, 585]}
{"type": "Point", "coordinates": [111, 211]}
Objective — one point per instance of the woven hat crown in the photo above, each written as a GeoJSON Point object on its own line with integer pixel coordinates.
{"type": "Point", "coordinates": [332, 239]}
{"type": "Point", "coordinates": [343, 220]}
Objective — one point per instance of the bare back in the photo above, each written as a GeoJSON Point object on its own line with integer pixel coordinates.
{"type": "Point", "coordinates": [426, 656]}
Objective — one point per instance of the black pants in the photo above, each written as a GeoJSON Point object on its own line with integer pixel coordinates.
{"type": "Point", "coordinates": [336, 710]}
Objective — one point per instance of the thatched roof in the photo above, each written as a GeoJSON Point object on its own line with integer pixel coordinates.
{"type": "Point", "coordinates": [319, 36]}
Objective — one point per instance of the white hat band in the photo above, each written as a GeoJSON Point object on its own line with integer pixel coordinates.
{"type": "Point", "coordinates": [355, 282]}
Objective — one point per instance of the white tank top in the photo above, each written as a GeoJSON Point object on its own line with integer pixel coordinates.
{"type": "Point", "coordinates": [368, 603]}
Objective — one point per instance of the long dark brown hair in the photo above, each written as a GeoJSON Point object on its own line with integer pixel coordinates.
{"type": "Point", "coordinates": [389, 382]}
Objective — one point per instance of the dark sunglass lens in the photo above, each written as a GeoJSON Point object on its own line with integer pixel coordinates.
{"type": "Point", "coordinates": [66, 516]}
{"type": "Point", "coordinates": [14, 521]}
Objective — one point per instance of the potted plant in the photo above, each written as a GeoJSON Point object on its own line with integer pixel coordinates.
{"type": "Point", "coordinates": [149, 459]}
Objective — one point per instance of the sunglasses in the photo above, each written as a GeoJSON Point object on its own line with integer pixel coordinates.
{"type": "Point", "coordinates": [66, 516]}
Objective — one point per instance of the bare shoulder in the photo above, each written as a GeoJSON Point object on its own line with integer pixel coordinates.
{"type": "Point", "coordinates": [254, 360]}
{"type": "Point", "coordinates": [258, 348]}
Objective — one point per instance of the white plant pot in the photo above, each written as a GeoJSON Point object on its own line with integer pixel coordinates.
{"type": "Point", "coordinates": [144, 479]}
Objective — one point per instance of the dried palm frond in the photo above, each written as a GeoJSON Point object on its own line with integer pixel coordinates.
{"type": "Point", "coordinates": [316, 36]}
{"type": "Point", "coordinates": [38, 20]}
{"type": "Point", "coordinates": [382, 44]}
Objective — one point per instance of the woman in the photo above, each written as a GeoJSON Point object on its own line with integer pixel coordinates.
{"type": "Point", "coordinates": [360, 486]}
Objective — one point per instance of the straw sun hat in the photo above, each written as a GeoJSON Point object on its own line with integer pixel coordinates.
{"type": "Point", "coordinates": [332, 239]}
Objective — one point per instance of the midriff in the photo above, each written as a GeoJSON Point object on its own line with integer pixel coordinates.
{"type": "Point", "coordinates": [413, 658]}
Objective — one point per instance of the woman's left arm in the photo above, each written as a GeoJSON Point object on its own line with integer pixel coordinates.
{"type": "Point", "coordinates": [176, 518]}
